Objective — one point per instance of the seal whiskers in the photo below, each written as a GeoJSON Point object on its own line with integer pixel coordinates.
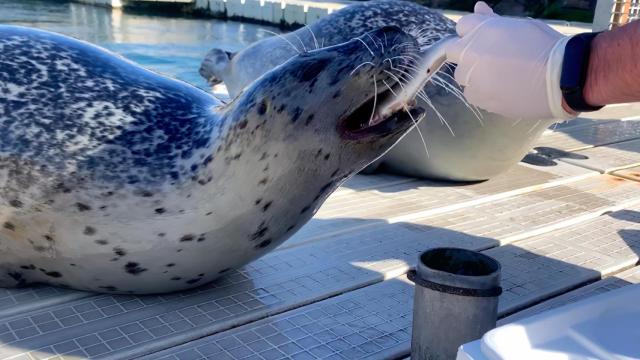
{"type": "Point", "coordinates": [315, 41]}
{"type": "Point", "coordinates": [420, 94]}
{"type": "Point", "coordinates": [366, 46]}
{"type": "Point", "coordinates": [283, 38]}
{"type": "Point", "coordinates": [457, 93]}
{"type": "Point", "coordinates": [375, 99]}
{"type": "Point", "coordinates": [357, 67]}
{"type": "Point", "coordinates": [424, 142]}
{"type": "Point", "coordinates": [304, 48]}
{"type": "Point", "coordinates": [405, 108]}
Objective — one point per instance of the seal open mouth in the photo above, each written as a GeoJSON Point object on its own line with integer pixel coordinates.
{"type": "Point", "coordinates": [365, 120]}
{"type": "Point", "coordinates": [391, 101]}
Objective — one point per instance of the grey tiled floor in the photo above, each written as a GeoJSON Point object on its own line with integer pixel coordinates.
{"type": "Point", "coordinates": [337, 288]}
{"type": "Point", "coordinates": [582, 137]}
{"type": "Point", "coordinates": [376, 321]}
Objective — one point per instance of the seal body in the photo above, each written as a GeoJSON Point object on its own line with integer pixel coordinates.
{"type": "Point", "coordinates": [462, 143]}
{"type": "Point", "coordinates": [116, 179]}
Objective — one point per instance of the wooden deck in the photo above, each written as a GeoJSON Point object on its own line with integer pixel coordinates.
{"type": "Point", "coordinates": [337, 289]}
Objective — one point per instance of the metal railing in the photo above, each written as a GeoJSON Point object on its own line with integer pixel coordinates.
{"type": "Point", "coordinates": [624, 11]}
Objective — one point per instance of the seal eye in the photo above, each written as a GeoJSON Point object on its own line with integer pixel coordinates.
{"type": "Point", "coordinates": [262, 107]}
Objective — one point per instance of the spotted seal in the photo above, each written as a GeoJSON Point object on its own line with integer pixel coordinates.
{"type": "Point", "coordinates": [116, 179]}
{"type": "Point", "coordinates": [462, 143]}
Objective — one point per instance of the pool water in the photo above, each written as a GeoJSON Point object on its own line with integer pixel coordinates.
{"type": "Point", "coordinates": [174, 46]}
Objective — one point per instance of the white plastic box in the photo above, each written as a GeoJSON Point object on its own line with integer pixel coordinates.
{"type": "Point", "coordinates": [603, 327]}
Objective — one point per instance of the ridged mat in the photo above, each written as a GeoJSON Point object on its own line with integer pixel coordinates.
{"type": "Point", "coordinates": [337, 289]}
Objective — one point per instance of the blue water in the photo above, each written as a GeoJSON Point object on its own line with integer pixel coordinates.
{"type": "Point", "coordinates": [174, 46]}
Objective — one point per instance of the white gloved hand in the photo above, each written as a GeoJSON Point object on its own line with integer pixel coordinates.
{"type": "Point", "coordinates": [509, 66]}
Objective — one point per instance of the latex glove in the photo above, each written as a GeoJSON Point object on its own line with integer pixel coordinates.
{"type": "Point", "coordinates": [509, 66]}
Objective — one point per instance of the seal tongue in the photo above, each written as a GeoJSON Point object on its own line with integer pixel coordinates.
{"type": "Point", "coordinates": [431, 61]}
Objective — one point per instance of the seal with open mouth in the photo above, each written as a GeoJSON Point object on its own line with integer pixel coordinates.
{"type": "Point", "coordinates": [116, 179]}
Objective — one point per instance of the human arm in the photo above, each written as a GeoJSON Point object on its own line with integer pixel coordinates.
{"type": "Point", "coordinates": [614, 67]}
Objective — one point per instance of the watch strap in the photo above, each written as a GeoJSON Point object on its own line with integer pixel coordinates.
{"type": "Point", "coordinates": [575, 67]}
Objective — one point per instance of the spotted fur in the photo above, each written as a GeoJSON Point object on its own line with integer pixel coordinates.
{"type": "Point", "coordinates": [116, 179]}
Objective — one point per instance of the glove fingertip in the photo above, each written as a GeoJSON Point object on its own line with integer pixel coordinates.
{"type": "Point", "coordinates": [481, 7]}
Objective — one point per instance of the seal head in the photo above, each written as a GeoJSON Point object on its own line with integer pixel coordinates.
{"type": "Point", "coordinates": [215, 66]}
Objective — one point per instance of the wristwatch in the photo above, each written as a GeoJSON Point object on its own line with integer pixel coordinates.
{"type": "Point", "coordinates": [575, 66]}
